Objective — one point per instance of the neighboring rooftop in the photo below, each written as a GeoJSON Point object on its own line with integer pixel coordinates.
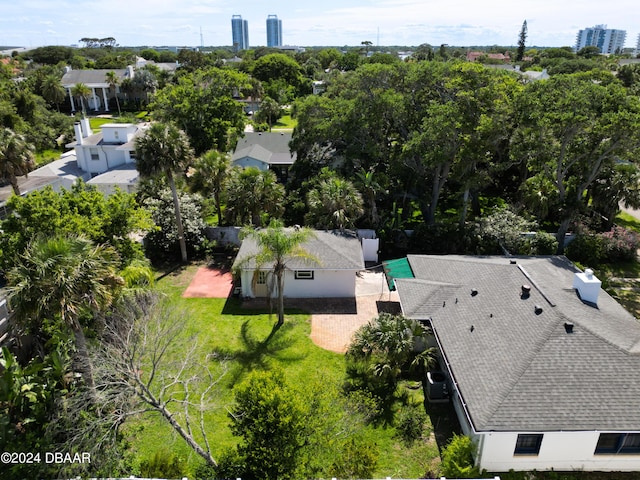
{"type": "Point", "coordinates": [268, 147]}
{"type": "Point", "coordinates": [537, 362]}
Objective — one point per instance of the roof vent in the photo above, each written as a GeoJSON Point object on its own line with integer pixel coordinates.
{"type": "Point", "coordinates": [526, 291]}
{"type": "Point", "coordinates": [537, 309]}
{"type": "Point", "coordinates": [512, 261]}
{"type": "Point", "coordinates": [568, 326]}
{"type": "Point", "coordinates": [588, 286]}
{"type": "Point", "coordinates": [474, 292]}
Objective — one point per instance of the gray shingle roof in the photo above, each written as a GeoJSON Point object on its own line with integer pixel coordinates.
{"type": "Point", "coordinates": [518, 370]}
{"type": "Point", "coordinates": [268, 147]}
{"type": "Point", "coordinates": [336, 251]}
{"type": "Point", "coordinates": [91, 77]}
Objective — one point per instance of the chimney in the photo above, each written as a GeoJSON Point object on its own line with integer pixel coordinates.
{"type": "Point", "coordinates": [78, 130]}
{"type": "Point", "coordinates": [86, 127]}
{"type": "Point", "coordinates": [130, 71]}
{"type": "Point", "coordinates": [588, 286]}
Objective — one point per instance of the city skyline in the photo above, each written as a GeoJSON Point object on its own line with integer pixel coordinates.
{"type": "Point", "coordinates": [34, 23]}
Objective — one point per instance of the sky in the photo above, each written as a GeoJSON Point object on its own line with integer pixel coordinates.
{"type": "Point", "coordinates": [551, 23]}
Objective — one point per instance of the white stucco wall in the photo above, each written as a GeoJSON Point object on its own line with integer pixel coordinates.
{"type": "Point", "coordinates": [108, 157]}
{"type": "Point", "coordinates": [325, 284]}
{"type": "Point", "coordinates": [559, 451]}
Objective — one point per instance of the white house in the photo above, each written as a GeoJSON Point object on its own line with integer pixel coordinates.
{"type": "Point", "coordinates": [112, 147]}
{"type": "Point", "coordinates": [543, 365]}
{"type": "Point", "coordinates": [96, 80]}
{"type": "Point", "coordinates": [340, 258]}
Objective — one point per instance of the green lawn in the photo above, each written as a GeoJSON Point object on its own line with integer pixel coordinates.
{"type": "Point", "coordinates": [228, 331]}
{"type": "Point", "coordinates": [628, 221]}
{"type": "Point", "coordinates": [285, 123]}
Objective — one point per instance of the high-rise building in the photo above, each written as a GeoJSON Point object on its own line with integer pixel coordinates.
{"type": "Point", "coordinates": [606, 39]}
{"type": "Point", "coordinates": [239, 33]}
{"type": "Point", "coordinates": [274, 31]}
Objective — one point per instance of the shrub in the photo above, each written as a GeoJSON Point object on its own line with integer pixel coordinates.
{"type": "Point", "coordinates": [163, 464]}
{"type": "Point", "coordinates": [358, 459]}
{"type": "Point", "coordinates": [410, 423]}
{"type": "Point", "coordinates": [163, 244]}
{"type": "Point", "coordinates": [586, 248]}
{"type": "Point", "coordinates": [543, 243]}
{"type": "Point", "coordinates": [457, 458]}
{"type": "Point", "coordinates": [619, 245]}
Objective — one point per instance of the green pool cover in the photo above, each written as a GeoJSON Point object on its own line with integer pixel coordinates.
{"type": "Point", "coordinates": [399, 268]}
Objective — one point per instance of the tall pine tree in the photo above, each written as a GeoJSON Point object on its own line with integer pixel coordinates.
{"type": "Point", "coordinates": [521, 41]}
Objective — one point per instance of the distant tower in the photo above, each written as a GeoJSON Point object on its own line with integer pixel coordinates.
{"type": "Point", "coordinates": [274, 31]}
{"type": "Point", "coordinates": [239, 33]}
{"type": "Point", "coordinates": [606, 39]}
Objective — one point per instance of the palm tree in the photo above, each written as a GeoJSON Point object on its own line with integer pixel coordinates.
{"type": "Point", "coordinates": [81, 91]}
{"type": "Point", "coordinates": [63, 279]}
{"type": "Point", "coordinates": [251, 193]}
{"type": "Point", "coordinates": [53, 91]}
{"type": "Point", "coordinates": [277, 246]}
{"type": "Point", "coordinates": [164, 149]}
{"type": "Point", "coordinates": [113, 81]}
{"type": "Point", "coordinates": [369, 188]}
{"type": "Point", "coordinates": [16, 157]}
{"type": "Point", "coordinates": [391, 343]}
{"type": "Point", "coordinates": [209, 176]}
{"type": "Point", "coordinates": [334, 203]}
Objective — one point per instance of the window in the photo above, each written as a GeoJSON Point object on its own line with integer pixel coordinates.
{"type": "Point", "coordinates": [528, 444]}
{"type": "Point", "coordinates": [262, 278]}
{"type": "Point", "coordinates": [94, 154]}
{"type": "Point", "coordinates": [628, 443]}
{"type": "Point", "coordinates": [303, 274]}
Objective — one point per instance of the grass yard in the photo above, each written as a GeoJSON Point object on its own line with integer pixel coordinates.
{"type": "Point", "coordinates": [284, 123]}
{"type": "Point", "coordinates": [226, 331]}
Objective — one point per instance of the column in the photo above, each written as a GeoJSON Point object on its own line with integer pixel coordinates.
{"type": "Point", "coordinates": [95, 99]}
{"type": "Point", "coordinates": [106, 100]}
{"type": "Point", "coordinates": [73, 106]}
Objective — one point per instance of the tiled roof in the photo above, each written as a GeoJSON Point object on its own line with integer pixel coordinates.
{"type": "Point", "coordinates": [335, 250]}
{"type": "Point", "coordinates": [517, 369]}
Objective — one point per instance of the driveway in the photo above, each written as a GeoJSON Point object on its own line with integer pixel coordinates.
{"type": "Point", "coordinates": [333, 330]}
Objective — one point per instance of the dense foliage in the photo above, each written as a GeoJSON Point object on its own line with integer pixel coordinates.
{"type": "Point", "coordinates": [80, 211]}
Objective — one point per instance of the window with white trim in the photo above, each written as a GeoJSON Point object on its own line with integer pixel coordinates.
{"type": "Point", "coordinates": [94, 154]}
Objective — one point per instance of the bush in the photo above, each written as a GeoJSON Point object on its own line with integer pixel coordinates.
{"type": "Point", "coordinates": [586, 248]}
{"type": "Point", "coordinates": [410, 423]}
{"type": "Point", "coordinates": [162, 244]}
{"type": "Point", "coordinates": [162, 465]}
{"type": "Point", "coordinates": [619, 245]}
{"type": "Point", "coordinates": [358, 459]}
{"type": "Point", "coordinates": [543, 243]}
{"type": "Point", "coordinates": [457, 458]}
